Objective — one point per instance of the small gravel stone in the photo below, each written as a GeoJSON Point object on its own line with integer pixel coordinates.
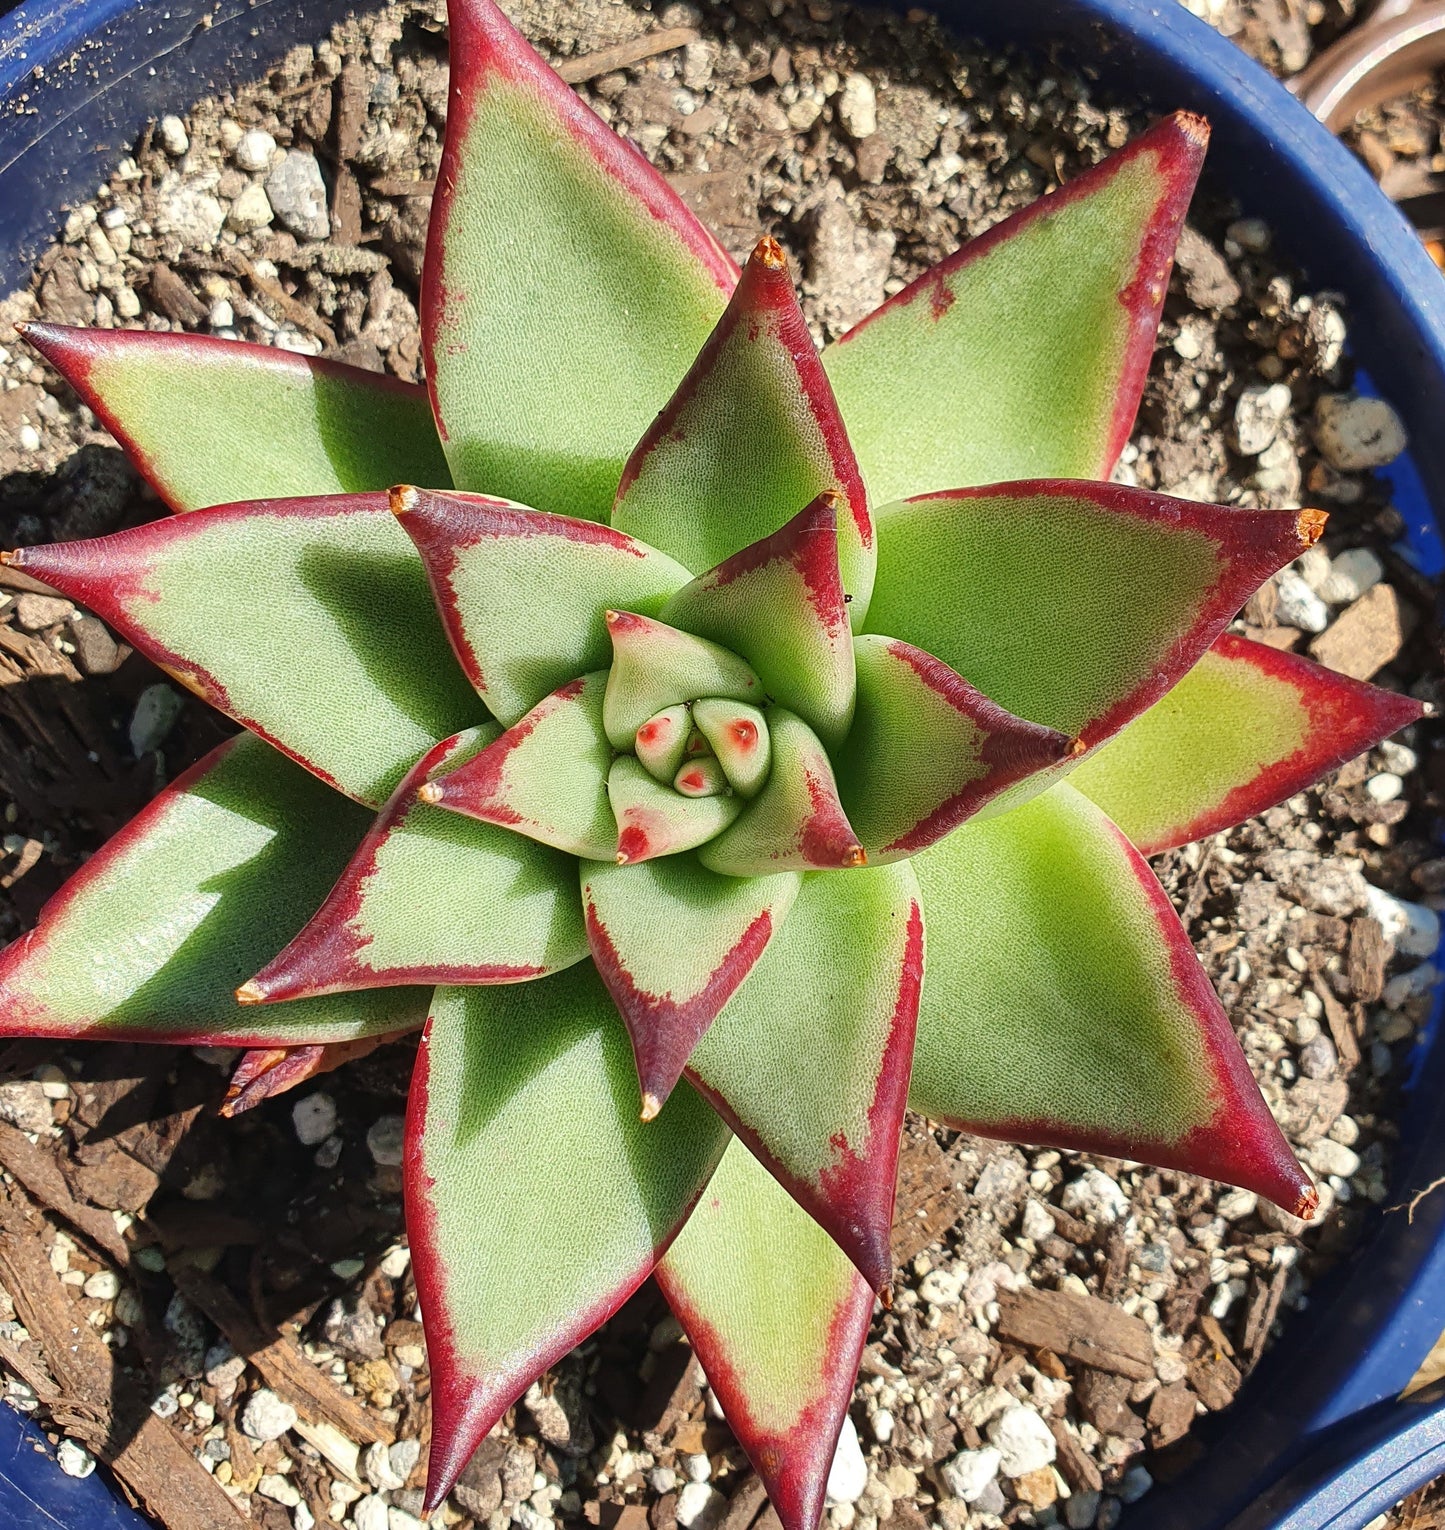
{"type": "Point", "coordinates": [36, 612]}
{"type": "Point", "coordinates": [970, 1472]}
{"type": "Point", "coordinates": [883, 1424]}
{"type": "Point", "coordinates": [1023, 1441]}
{"type": "Point", "coordinates": [1252, 234]}
{"type": "Point", "coordinates": [254, 150]}
{"type": "Point", "coordinates": [23, 1104]}
{"type": "Point", "coordinates": [73, 1459]}
{"type": "Point", "coordinates": [1095, 1195]}
{"type": "Point", "coordinates": [858, 107]}
{"type": "Point", "coordinates": [1352, 572]}
{"type": "Point", "coordinates": [403, 1456]}
{"type": "Point", "coordinates": [297, 194]}
{"type": "Point", "coordinates": [174, 138]}
{"type": "Point", "coordinates": [189, 211]}
{"type": "Point", "coordinates": [1235, 1205]}
{"type": "Point", "coordinates": [266, 1416]}
{"type": "Point", "coordinates": [251, 210]}
{"type": "Point", "coordinates": [378, 1471]}
{"type": "Point", "coordinates": [662, 1480]}
{"type": "Point", "coordinates": [103, 1286]}
{"type": "Point", "coordinates": [848, 1475]}
{"type": "Point", "coordinates": [1411, 928]}
{"type": "Point", "coordinates": [698, 1468]}
{"type": "Point", "coordinates": [156, 711]}
{"type": "Point", "coordinates": [1357, 433]}
{"type": "Point", "coordinates": [941, 1288]}
{"type": "Point", "coordinates": [385, 1139]}
{"type": "Point", "coordinates": [1299, 606]}
{"type": "Point", "coordinates": [369, 1513]}
{"type": "Point", "coordinates": [1317, 1058]}
{"type": "Point", "coordinates": [223, 1368]}
{"type": "Point", "coordinates": [1036, 1222]}
{"type": "Point", "coordinates": [1330, 1157]}
{"type": "Point", "coordinates": [279, 1489]}
{"type": "Point", "coordinates": [699, 1506]}
{"type": "Point", "coordinates": [1081, 1508]}
{"type": "Point", "coordinates": [1384, 787]}
{"type": "Point", "coordinates": [1258, 414]}
{"type": "Point", "coordinates": [314, 1118]}
{"type": "Point", "coordinates": [1405, 986]}
{"type": "Point", "coordinates": [1136, 1483]}
{"type": "Point", "coordinates": [1398, 757]}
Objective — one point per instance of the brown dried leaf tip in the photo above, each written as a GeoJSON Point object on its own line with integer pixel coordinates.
{"type": "Point", "coordinates": [769, 253]}
{"type": "Point", "coordinates": [1311, 526]}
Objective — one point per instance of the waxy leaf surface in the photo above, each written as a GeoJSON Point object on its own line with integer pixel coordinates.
{"type": "Point", "coordinates": [809, 1062]}
{"type": "Point", "coordinates": [566, 289]}
{"type": "Point", "coordinates": [433, 897]}
{"type": "Point", "coordinates": [778, 1316]}
{"type": "Point", "coordinates": [522, 593]}
{"type": "Point", "coordinates": [1023, 355]}
{"type": "Point", "coordinates": [1064, 1005]}
{"type": "Point", "coordinates": [653, 819]}
{"type": "Point", "coordinates": [1247, 727]}
{"type": "Point", "coordinates": [148, 941]}
{"type": "Point", "coordinates": [514, 1268]}
{"type": "Point", "coordinates": [738, 735]}
{"type": "Point", "coordinates": [796, 822]}
{"type": "Point", "coordinates": [1075, 605]}
{"type": "Point", "coordinates": [546, 777]}
{"type": "Point", "coordinates": [752, 434]}
{"type": "Point", "coordinates": [308, 620]}
{"type": "Point", "coordinates": [779, 604]}
{"type": "Point", "coordinates": [927, 750]}
{"type": "Point", "coordinates": [212, 422]}
{"type": "Point", "coordinates": [661, 741]}
{"type": "Point", "coordinates": [672, 942]}
{"type": "Point", "coordinates": [654, 666]}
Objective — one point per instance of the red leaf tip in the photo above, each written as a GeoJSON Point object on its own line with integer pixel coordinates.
{"type": "Point", "coordinates": [250, 992]}
{"type": "Point", "coordinates": [768, 253]}
{"type": "Point", "coordinates": [402, 498]}
{"type": "Point", "coordinates": [1310, 526]}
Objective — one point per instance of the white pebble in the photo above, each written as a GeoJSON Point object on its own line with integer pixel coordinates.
{"type": "Point", "coordinates": [386, 1139]}
{"type": "Point", "coordinates": [266, 1416]}
{"type": "Point", "coordinates": [1235, 1205]}
{"type": "Point", "coordinates": [377, 1469]}
{"type": "Point", "coordinates": [970, 1473]}
{"type": "Point", "coordinates": [941, 1288]}
{"type": "Point", "coordinates": [1299, 606]}
{"type": "Point", "coordinates": [1384, 787]}
{"type": "Point", "coordinates": [882, 1424]}
{"type": "Point", "coordinates": [858, 107]}
{"type": "Point", "coordinates": [1333, 1158]}
{"type": "Point", "coordinates": [174, 138]}
{"type": "Point", "coordinates": [1094, 1194]}
{"type": "Point", "coordinates": [1258, 414]}
{"type": "Point", "coordinates": [1353, 572]}
{"type": "Point", "coordinates": [74, 1460]}
{"type": "Point", "coordinates": [1250, 234]}
{"type": "Point", "coordinates": [698, 1468]}
{"type": "Point", "coordinates": [314, 1118]}
{"type": "Point", "coordinates": [29, 438]}
{"type": "Point", "coordinates": [1411, 928]}
{"type": "Point", "coordinates": [1397, 757]}
{"type": "Point", "coordinates": [1357, 433]}
{"type": "Point", "coordinates": [848, 1475]}
{"type": "Point", "coordinates": [699, 1506]}
{"type": "Point", "coordinates": [1023, 1441]}
{"type": "Point", "coordinates": [1410, 985]}
{"type": "Point", "coordinates": [103, 1286]}
{"type": "Point", "coordinates": [251, 210]}
{"type": "Point", "coordinates": [403, 1456]}
{"type": "Point", "coordinates": [254, 150]}
{"type": "Point", "coordinates": [370, 1513]}
{"type": "Point", "coordinates": [1314, 567]}
{"type": "Point", "coordinates": [279, 1489]}
{"type": "Point", "coordinates": [662, 1480]}
{"type": "Point", "coordinates": [1036, 1222]}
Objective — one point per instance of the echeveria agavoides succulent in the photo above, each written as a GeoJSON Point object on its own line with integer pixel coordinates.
{"type": "Point", "coordinates": [715, 745]}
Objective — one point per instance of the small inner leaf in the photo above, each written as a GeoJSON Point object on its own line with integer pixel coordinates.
{"type": "Point", "coordinates": [654, 820]}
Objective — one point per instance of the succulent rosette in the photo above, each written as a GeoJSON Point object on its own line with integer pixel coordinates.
{"type": "Point", "coordinates": [716, 745]}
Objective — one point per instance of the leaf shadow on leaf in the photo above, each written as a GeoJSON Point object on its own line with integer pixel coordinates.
{"type": "Point", "coordinates": [251, 909]}
{"type": "Point", "coordinates": [536, 868]}
{"type": "Point", "coordinates": [359, 434]}
{"type": "Point", "coordinates": [583, 487]}
{"type": "Point", "coordinates": [383, 609]}
{"type": "Point", "coordinates": [515, 1033]}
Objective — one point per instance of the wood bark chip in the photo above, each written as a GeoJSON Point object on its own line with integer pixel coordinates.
{"type": "Point", "coordinates": [105, 1409]}
{"type": "Point", "coordinates": [1337, 1017]}
{"type": "Point", "coordinates": [1261, 1312]}
{"type": "Point", "coordinates": [1216, 1379]}
{"type": "Point", "coordinates": [624, 54]}
{"type": "Point", "coordinates": [285, 1369]}
{"type": "Point", "coordinates": [1080, 1328]}
{"type": "Point", "coordinates": [745, 1505]}
{"type": "Point", "coordinates": [1369, 956]}
{"type": "Point", "coordinates": [1076, 1464]}
{"type": "Point", "coordinates": [928, 1201]}
{"type": "Point", "coordinates": [41, 1176]}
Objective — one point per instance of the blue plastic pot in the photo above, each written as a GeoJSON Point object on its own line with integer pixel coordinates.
{"type": "Point", "coordinates": [1317, 1439]}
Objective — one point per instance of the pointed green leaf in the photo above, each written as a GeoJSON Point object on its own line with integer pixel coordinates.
{"type": "Point", "coordinates": [212, 422]}
{"type": "Point", "coordinates": [739, 738]}
{"type": "Point", "coordinates": [1064, 1005]}
{"type": "Point", "coordinates": [752, 433]}
{"type": "Point", "coordinates": [308, 620]}
{"type": "Point", "coordinates": [566, 288]}
{"type": "Point", "coordinates": [653, 819]}
{"type": "Point", "coordinates": [1075, 605]}
{"type": "Point", "coordinates": [1247, 727]}
{"type": "Point", "coordinates": [432, 897]}
{"type": "Point", "coordinates": [522, 593]}
{"type": "Point", "coordinates": [148, 940]}
{"type": "Point", "coordinates": [779, 603]}
{"type": "Point", "coordinates": [1023, 355]}
{"type": "Point", "coordinates": [808, 1062]}
{"type": "Point", "coordinates": [655, 666]}
{"type": "Point", "coordinates": [661, 742]}
{"type": "Point", "coordinates": [778, 1317]}
{"type": "Point", "coordinates": [546, 777]}
{"type": "Point", "coordinates": [513, 1268]}
{"type": "Point", "coordinates": [796, 823]}
{"type": "Point", "coordinates": [927, 750]}
{"type": "Point", "coordinates": [672, 942]}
